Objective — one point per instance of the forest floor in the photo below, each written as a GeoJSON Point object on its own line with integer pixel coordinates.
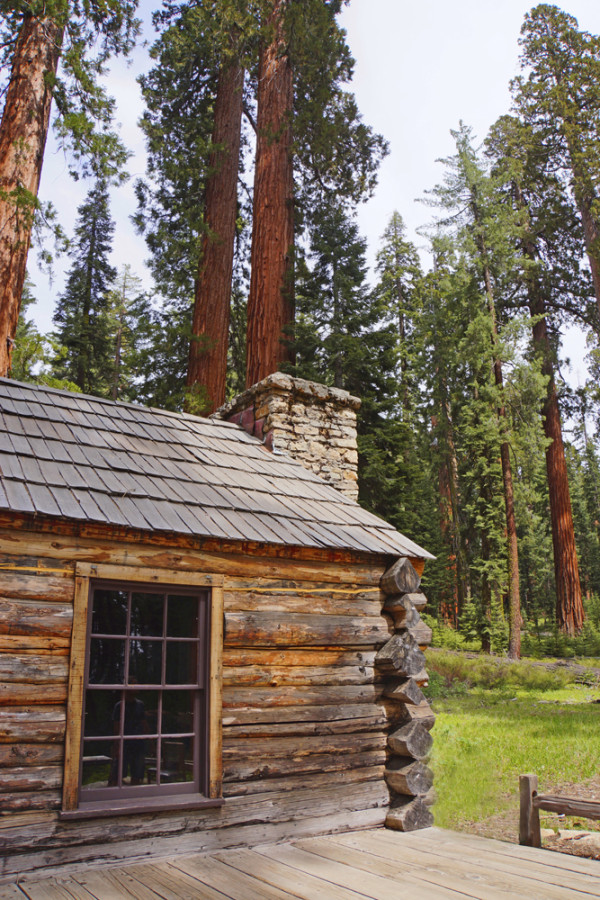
{"type": "Point", "coordinates": [497, 720]}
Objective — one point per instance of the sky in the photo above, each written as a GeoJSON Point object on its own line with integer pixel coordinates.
{"type": "Point", "coordinates": [421, 68]}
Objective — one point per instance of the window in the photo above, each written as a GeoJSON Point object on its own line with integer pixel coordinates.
{"type": "Point", "coordinates": [144, 703]}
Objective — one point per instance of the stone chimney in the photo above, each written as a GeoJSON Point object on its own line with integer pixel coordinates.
{"type": "Point", "coordinates": [313, 423]}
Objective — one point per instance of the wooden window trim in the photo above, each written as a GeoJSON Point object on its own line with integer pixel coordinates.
{"type": "Point", "coordinates": [84, 572]}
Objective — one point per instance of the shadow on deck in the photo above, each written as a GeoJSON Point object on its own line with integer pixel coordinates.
{"type": "Point", "coordinates": [376, 864]}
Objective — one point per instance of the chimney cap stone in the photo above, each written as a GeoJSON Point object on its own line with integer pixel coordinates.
{"type": "Point", "coordinates": [282, 383]}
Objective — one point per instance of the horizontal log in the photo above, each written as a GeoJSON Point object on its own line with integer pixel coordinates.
{"type": "Point", "coordinates": [411, 740]}
{"type": "Point", "coordinates": [260, 698]}
{"type": "Point", "coordinates": [33, 643]}
{"type": "Point", "coordinates": [21, 801]}
{"type": "Point", "coordinates": [400, 656]}
{"type": "Point", "coordinates": [23, 694]}
{"type": "Point", "coordinates": [30, 617]}
{"type": "Point", "coordinates": [288, 656]}
{"type": "Point", "coordinates": [402, 610]}
{"type": "Point", "coordinates": [376, 722]}
{"type": "Point", "coordinates": [409, 815]}
{"type": "Point", "coordinates": [303, 782]}
{"type": "Point", "coordinates": [401, 578]}
{"type": "Point", "coordinates": [276, 676]}
{"type": "Point", "coordinates": [30, 754]}
{"type": "Point", "coordinates": [31, 778]}
{"type": "Point", "coordinates": [421, 713]}
{"type": "Point", "coordinates": [47, 588]}
{"type": "Point", "coordinates": [320, 598]}
{"type": "Point", "coordinates": [32, 724]}
{"type": "Point", "coordinates": [37, 564]}
{"type": "Point", "coordinates": [405, 691]}
{"type": "Point", "coordinates": [246, 715]}
{"type": "Point", "coordinates": [567, 806]}
{"type": "Point", "coordinates": [298, 747]}
{"type": "Point", "coordinates": [33, 668]}
{"type": "Point", "coordinates": [125, 547]}
{"type": "Point", "coordinates": [421, 633]}
{"type": "Point", "coordinates": [407, 776]}
{"type": "Point", "coordinates": [250, 770]}
{"type": "Point", "coordinates": [418, 600]}
{"type": "Point", "coordinates": [257, 629]}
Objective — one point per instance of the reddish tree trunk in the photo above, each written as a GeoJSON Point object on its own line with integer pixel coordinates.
{"type": "Point", "coordinates": [569, 605]}
{"type": "Point", "coordinates": [23, 132]}
{"type": "Point", "coordinates": [270, 301]}
{"type": "Point", "coordinates": [207, 368]}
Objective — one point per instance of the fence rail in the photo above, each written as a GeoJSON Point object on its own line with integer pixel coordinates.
{"type": "Point", "coordinates": [532, 802]}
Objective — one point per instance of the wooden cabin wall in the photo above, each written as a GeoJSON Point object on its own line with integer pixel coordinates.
{"type": "Point", "coordinates": [304, 721]}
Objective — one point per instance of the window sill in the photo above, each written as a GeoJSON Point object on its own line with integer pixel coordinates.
{"type": "Point", "coordinates": [108, 808]}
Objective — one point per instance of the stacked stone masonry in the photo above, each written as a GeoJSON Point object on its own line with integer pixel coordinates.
{"type": "Point", "coordinates": [402, 662]}
{"type": "Point", "coordinates": [311, 422]}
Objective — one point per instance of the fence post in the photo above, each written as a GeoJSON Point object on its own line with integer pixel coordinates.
{"type": "Point", "coordinates": [529, 816]}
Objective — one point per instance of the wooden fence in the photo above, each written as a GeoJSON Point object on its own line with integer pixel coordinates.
{"type": "Point", "coordinates": [532, 802]}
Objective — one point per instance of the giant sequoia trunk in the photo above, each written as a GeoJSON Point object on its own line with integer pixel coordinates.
{"type": "Point", "coordinates": [207, 367]}
{"type": "Point", "coordinates": [569, 605]}
{"type": "Point", "coordinates": [23, 132]}
{"type": "Point", "coordinates": [270, 301]}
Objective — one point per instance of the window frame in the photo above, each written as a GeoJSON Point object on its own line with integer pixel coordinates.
{"type": "Point", "coordinates": [73, 806]}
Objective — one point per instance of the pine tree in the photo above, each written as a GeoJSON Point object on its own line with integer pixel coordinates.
{"type": "Point", "coordinates": [35, 36]}
{"type": "Point", "coordinates": [81, 316]}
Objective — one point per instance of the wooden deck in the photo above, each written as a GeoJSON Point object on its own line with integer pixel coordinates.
{"type": "Point", "coordinates": [376, 864]}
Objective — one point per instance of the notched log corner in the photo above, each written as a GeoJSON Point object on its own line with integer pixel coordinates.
{"type": "Point", "coordinates": [409, 777]}
{"type": "Point", "coordinates": [412, 739]}
{"type": "Point", "coordinates": [409, 815]}
{"type": "Point", "coordinates": [400, 656]}
{"type": "Point", "coordinates": [401, 578]}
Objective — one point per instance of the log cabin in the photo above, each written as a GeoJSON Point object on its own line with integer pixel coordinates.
{"type": "Point", "coordinates": [205, 642]}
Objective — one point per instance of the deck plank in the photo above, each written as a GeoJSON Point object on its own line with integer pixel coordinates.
{"type": "Point", "coordinates": [170, 883]}
{"type": "Point", "coordinates": [237, 885]}
{"type": "Point", "coordinates": [11, 892]}
{"type": "Point", "coordinates": [368, 884]}
{"type": "Point", "coordinates": [368, 854]}
{"type": "Point", "coordinates": [115, 884]}
{"type": "Point", "coordinates": [300, 884]}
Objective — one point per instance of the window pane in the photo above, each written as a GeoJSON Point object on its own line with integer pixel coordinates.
{"type": "Point", "coordinates": [181, 663]}
{"type": "Point", "coordinates": [177, 712]}
{"type": "Point", "coordinates": [109, 612]}
{"type": "Point", "coordinates": [182, 616]}
{"type": "Point", "coordinates": [176, 761]}
{"type": "Point", "coordinates": [134, 719]}
{"type": "Point", "coordinates": [107, 661]}
{"type": "Point", "coordinates": [147, 614]}
{"type": "Point", "coordinates": [99, 713]}
{"type": "Point", "coordinates": [145, 662]}
{"type": "Point", "coordinates": [134, 760]}
{"type": "Point", "coordinates": [97, 764]}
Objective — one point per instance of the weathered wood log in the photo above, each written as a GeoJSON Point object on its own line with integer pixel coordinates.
{"type": "Point", "coordinates": [421, 713]}
{"type": "Point", "coordinates": [376, 722]}
{"type": "Point", "coordinates": [24, 694]}
{"type": "Point", "coordinates": [298, 747]}
{"type": "Point", "coordinates": [24, 617]}
{"type": "Point", "coordinates": [405, 776]}
{"type": "Point", "coordinates": [401, 578]}
{"type": "Point", "coordinates": [402, 610]}
{"type": "Point", "coordinates": [430, 798]}
{"type": "Point", "coordinates": [422, 633]}
{"type": "Point", "coordinates": [34, 644]}
{"type": "Point", "coordinates": [307, 656]}
{"type": "Point", "coordinates": [47, 587]}
{"type": "Point", "coordinates": [256, 629]}
{"type": "Point", "coordinates": [306, 598]}
{"type": "Point", "coordinates": [267, 715]}
{"type": "Point", "coordinates": [418, 600]}
{"type": "Point", "coordinates": [409, 815]}
{"type": "Point", "coordinates": [303, 782]}
{"type": "Point", "coordinates": [20, 801]}
{"type": "Point", "coordinates": [297, 675]}
{"type": "Point", "coordinates": [400, 656]}
{"type": "Point", "coordinates": [277, 767]}
{"type": "Point", "coordinates": [328, 695]}
{"type": "Point", "coordinates": [30, 754]}
{"type": "Point", "coordinates": [405, 691]}
{"type": "Point", "coordinates": [567, 806]}
{"type": "Point", "coordinates": [31, 778]}
{"type": "Point", "coordinates": [422, 678]}
{"type": "Point", "coordinates": [33, 668]}
{"type": "Point", "coordinates": [411, 740]}
{"type": "Point", "coordinates": [32, 724]}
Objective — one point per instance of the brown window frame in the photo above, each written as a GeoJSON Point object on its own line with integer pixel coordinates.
{"type": "Point", "coordinates": [88, 576]}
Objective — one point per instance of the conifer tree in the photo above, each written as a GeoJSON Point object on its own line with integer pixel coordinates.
{"type": "Point", "coordinates": [35, 36]}
{"type": "Point", "coordinates": [81, 316]}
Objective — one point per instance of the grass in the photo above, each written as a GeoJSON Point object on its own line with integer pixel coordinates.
{"type": "Point", "coordinates": [495, 722]}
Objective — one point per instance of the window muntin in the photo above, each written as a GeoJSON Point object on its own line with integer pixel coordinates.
{"type": "Point", "coordinates": [145, 707]}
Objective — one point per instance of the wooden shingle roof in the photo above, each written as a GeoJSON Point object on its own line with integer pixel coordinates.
{"type": "Point", "coordinates": [85, 458]}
